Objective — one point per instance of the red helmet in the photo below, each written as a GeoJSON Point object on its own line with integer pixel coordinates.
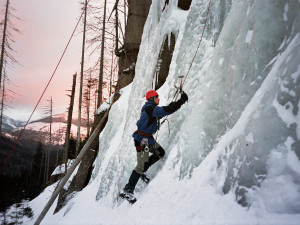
{"type": "Point", "coordinates": [150, 94]}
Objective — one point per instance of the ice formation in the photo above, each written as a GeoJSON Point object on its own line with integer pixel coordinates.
{"type": "Point", "coordinates": [233, 152]}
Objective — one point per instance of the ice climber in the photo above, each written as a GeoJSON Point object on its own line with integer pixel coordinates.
{"type": "Point", "coordinates": [144, 142]}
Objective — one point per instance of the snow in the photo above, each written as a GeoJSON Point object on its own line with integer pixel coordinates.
{"type": "Point", "coordinates": [286, 8]}
{"type": "Point", "coordinates": [61, 168]}
{"type": "Point", "coordinates": [105, 105]}
{"type": "Point", "coordinates": [232, 156]}
{"type": "Point", "coordinates": [9, 123]}
{"type": "Point", "coordinates": [249, 36]}
{"type": "Point", "coordinates": [221, 61]}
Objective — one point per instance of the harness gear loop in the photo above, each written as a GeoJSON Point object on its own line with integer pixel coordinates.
{"type": "Point", "coordinates": [146, 149]}
{"type": "Point", "coordinates": [144, 142]}
{"type": "Point", "coordinates": [145, 146]}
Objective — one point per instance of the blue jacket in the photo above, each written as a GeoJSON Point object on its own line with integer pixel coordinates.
{"type": "Point", "coordinates": [150, 115]}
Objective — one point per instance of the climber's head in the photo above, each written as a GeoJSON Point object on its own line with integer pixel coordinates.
{"type": "Point", "coordinates": [152, 96]}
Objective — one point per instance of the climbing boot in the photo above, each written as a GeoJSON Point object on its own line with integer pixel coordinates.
{"type": "Point", "coordinates": [128, 196]}
{"type": "Point", "coordinates": [145, 179]}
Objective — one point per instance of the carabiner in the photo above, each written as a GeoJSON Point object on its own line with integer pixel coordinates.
{"type": "Point", "coordinates": [146, 148]}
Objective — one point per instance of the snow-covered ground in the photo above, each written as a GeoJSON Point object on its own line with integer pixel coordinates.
{"type": "Point", "coordinates": [232, 156]}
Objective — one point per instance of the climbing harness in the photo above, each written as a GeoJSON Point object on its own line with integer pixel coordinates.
{"type": "Point", "coordinates": [144, 134]}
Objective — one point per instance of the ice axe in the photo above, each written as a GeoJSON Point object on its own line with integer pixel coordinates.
{"type": "Point", "coordinates": [179, 89]}
{"type": "Point", "coordinates": [181, 84]}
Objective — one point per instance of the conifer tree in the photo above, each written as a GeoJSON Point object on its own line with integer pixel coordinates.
{"type": "Point", "coordinates": [37, 162]}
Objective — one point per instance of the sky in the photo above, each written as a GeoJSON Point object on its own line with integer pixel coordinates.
{"type": "Point", "coordinates": [46, 28]}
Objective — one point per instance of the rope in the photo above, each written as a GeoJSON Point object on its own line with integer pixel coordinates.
{"type": "Point", "coordinates": [208, 8]}
{"type": "Point", "coordinates": [16, 142]}
{"type": "Point", "coordinates": [182, 83]}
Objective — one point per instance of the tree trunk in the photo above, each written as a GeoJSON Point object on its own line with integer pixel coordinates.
{"type": "Point", "coordinates": [50, 140]}
{"type": "Point", "coordinates": [41, 168]}
{"type": "Point", "coordinates": [86, 147]}
{"type": "Point", "coordinates": [111, 72]}
{"type": "Point", "coordinates": [117, 26]}
{"type": "Point", "coordinates": [125, 17]}
{"type": "Point", "coordinates": [2, 103]}
{"type": "Point", "coordinates": [137, 15]}
{"type": "Point", "coordinates": [88, 105]}
{"type": "Point", "coordinates": [3, 41]}
{"type": "Point", "coordinates": [81, 82]}
{"type": "Point", "coordinates": [101, 59]}
{"type": "Point", "coordinates": [70, 113]}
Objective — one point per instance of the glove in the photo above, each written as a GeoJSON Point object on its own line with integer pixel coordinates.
{"type": "Point", "coordinates": [183, 98]}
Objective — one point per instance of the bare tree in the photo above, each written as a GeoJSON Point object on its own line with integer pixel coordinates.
{"type": "Point", "coordinates": [111, 73]}
{"type": "Point", "coordinates": [2, 102]}
{"type": "Point", "coordinates": [117, 26]}
{"type": "Point", "coordinates": [6, 47]}
{"type": "Point", "coordinates": [69, 123]}
{"type": "Point", "coordinates": [3, 45]}
{"type": "Point", "coordinates": [49, 112]}
{"type": "Point", "coordinates": [81, 81]}
{"type": "Point", "coordinates": [87, 101]}
{"type": "Point", "coordinates": [102, 58]}
{"type": "Point", "coordinates": [105, 43]}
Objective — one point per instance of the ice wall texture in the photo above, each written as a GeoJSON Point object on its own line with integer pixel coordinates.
{"type": "Point", "coordinates": [243, 92]}
{"type": "Point", "coordinates": [264, 53]}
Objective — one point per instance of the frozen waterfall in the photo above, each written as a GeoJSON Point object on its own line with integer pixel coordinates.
{"type": "Point", "coordinates": [233, 153]}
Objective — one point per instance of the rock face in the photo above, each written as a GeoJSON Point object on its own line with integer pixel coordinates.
{"type": "Point", "coordinates": [184, 4]}
{"type": "Point", "coordinates": [164, 61]}
{"type": "Point", "coordinates": [137, 15]}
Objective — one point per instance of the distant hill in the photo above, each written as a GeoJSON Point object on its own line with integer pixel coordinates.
{"type": "Point", "coordinates": [9, 124]}
{"type": "Point", "coordinates": [17, 173]}
{"type": "Point", "coordinates": [38, 130]}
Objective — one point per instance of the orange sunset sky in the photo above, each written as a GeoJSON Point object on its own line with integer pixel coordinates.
{"type": "Point", "coordinates": [46, 28]}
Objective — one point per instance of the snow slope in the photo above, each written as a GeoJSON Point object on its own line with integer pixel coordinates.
{"type": "Point", "coordinates": [40, 129]}
{"type": "Point", "coordinates": [10, 124]}
{"type": "Point", "coordinates": [232, 156]}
